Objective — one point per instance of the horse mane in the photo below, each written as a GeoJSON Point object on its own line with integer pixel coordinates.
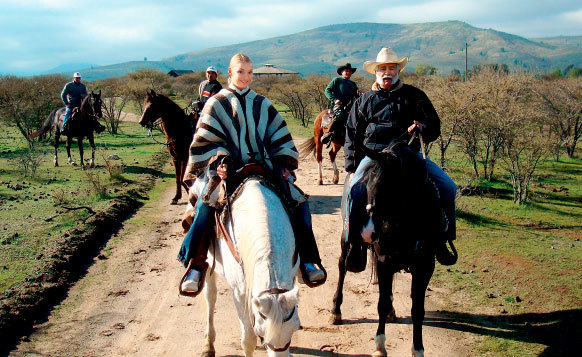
{"type": "Point", "coordinates": [254, 249]}
{"type": "Point", "coordinates": [171, 106]}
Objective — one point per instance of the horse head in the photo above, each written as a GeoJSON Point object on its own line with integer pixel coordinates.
{"type": "Point", "coordinates": [395, 181]}
{"type": "Point", "coordinates": [151, 109]}
{"type": "Point", "coordinates": [96, 104]}
{"type": "Point", "coordinates": [275, 318]}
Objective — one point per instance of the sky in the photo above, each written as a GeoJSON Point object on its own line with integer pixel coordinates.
{"type": "Point", "coordinates": [39, 35]}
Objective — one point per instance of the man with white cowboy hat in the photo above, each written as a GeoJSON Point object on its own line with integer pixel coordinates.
{"type": "Point", "coordinates": [72, 95]}
{"type": "Point", "coordinates": [389, 111]}
{"type": "Point", "coordinates": [341, 92]}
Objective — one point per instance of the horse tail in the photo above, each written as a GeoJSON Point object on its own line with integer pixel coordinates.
{"type": "Point", "coordinates": [46, 125]}
{"type": "Point", "coordinates": [306, 148]}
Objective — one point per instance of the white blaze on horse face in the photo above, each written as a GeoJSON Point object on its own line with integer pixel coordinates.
{"type": "Point", "coordinates": [367, 231]}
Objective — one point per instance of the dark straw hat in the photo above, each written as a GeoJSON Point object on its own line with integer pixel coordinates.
{"type": "Point", "coordinates": [340, 69]}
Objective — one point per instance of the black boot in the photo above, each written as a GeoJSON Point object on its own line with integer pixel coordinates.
{"type": "Point", "coordinates": [312, 270]}
{"type": "Point", "coordinates": [443, 255]}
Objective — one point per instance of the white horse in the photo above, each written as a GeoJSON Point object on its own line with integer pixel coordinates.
{"type": "Point", "coordinates": [263, 283]}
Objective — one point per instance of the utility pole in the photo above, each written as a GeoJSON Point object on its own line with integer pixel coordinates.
{"type": "Point", "coordinates": [466, 61]}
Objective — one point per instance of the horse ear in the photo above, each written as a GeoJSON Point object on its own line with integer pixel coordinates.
{"type": "Point", "coordinates": [263, 304]}
{"type": "Point", "coordinates": [99, 92]}
{"type": "Point", "coordinates": [153, 93]}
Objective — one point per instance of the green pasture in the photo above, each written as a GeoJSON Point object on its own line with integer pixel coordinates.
{"type": "Point", "coordinates": [33, 210]}
{"type": "Point", "coordinates": [517, 283]}
{"type": "Point", "coordinates": [517, 286]}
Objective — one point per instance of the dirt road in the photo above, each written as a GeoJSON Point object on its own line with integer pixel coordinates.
{"type": "Point", "coordinates": [128, 302]}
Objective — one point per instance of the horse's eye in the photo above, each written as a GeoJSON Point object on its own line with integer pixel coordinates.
{"type": "Point", "coordinates": [385, 226]}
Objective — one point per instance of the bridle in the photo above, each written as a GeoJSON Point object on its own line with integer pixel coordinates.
{"type": "Point", "coordinates": [270, 346]}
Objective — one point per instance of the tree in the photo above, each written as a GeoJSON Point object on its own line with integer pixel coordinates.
{"type": "Point", "coordinates": [26, 102]}
{"type": "Point", "coordinates": [294, 94]}
{"type": "Point", "coordinates": [561, 100]}
{"type": "Point", "coordinates": [115, 97]}
{"type": "Point", "coordinates": [425, 70]}
{"type": "Point", "coordinates": [315, 87]}
{"type": "Point", "coordinates": [140, 81]}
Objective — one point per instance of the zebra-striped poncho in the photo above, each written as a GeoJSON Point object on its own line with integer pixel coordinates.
{"type": "Point", "coordinates": [244, 126]}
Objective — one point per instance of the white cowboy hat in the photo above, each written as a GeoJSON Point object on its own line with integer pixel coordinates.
{"type": "Point", "coordinates": [386, 55]}
{"type": "Point", "coordinates": [76, 74]}
{"type": "Point", "coordinates": [211, 69]}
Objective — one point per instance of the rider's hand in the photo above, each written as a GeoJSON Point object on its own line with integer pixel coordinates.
{"type": "Point", "coordinates": [285, 173]}
{"type": "Point", "coordinates": [337, 101]}
{"type": "Point", "coordinates": [416, 124]}
{"type": "Point", "coordinates": [222, 171]}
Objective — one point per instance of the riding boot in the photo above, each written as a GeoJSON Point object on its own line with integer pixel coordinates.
{"type": "Point", "coordinates": [441, 223]}
{"type": "Point", "coordinates": [194, 248]}
{"type": "Point", "coordinates": [312, 270]}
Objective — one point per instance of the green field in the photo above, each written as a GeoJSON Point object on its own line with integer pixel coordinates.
{"type": "Point", "coordinates": [516, 286]}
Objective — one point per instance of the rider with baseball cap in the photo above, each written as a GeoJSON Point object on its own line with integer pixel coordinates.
{"type": "Point", "coordinates": [72, 95]}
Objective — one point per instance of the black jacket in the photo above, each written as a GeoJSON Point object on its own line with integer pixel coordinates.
{"type": "Point", "coordinates": [381, 115]}
{"type": "Point", "coordinates": [208, 89]}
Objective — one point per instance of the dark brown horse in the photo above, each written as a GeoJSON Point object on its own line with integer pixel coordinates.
{"type": "Point", "coordinates": [178, 128]}
{"type": "Point", "coordinates": [399, 208]}
{"type": "Point", "coordinates": [82, 123]}
{"type": "Point", "coordinates": [320, 127]}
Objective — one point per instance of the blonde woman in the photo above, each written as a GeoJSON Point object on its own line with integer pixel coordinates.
{"type": "Point", "coordinates": [245, 127]}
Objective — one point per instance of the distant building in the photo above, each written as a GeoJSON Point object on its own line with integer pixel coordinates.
{"type": "Point", "coordinates": [179, 72]}
{"type": "Point", "coordinates": [271, 70]}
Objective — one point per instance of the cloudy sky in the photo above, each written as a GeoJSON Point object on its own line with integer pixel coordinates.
{"type": "Point", "coordinates": [38, 35]}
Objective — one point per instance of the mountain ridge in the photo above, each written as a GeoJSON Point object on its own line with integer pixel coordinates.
{"type": "Point", "coordinates": [322, 49]}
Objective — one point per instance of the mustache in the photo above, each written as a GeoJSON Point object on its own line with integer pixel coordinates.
{"type": "Point", "coordinates": [387, 76]}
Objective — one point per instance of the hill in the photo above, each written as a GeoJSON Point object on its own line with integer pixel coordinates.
{"type": "Point", "coordinates": [321, 50]}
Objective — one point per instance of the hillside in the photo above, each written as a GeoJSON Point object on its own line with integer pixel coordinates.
{"type": "Point", "coordinates": [321, 50]}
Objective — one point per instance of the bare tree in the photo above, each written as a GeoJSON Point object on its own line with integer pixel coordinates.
{"type": "Point", "coordinates": [294, 95]}
{"type": "Point", "coordinates": [315, 86]}
{"type": "Point", "coordinates": [115, 97]}
{"type": "Point", "coordinates": [561, 100]}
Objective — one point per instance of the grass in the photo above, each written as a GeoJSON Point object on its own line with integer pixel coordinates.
{"type": "Point", "coordinates": [34, 211]}
{"type": "Point", "coordinates": [520, 266]}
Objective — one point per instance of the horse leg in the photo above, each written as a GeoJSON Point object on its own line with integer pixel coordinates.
{"type": "Point", "coordinates": [336, 313]}
{"type": "Point", "coordinates": [178, 170]}
{"type": "Point", "coordinates": [248, 339]}
{"type": "Point", "coordinates": [385, 277]}
{"type": "Point", "coordinates": [210, 293]}
{"type": "Point", "coordinates": [332, 154]}
{"type": "Point", "coordinates": [80, 143]}
{"type": "Point", "coordinates": [420, 277]}
{"type": "Point", "coordinates": [92, 142]}
{"type": "Point", "coordinates": [319, 158]}
{"type": "Point", "coordinates": [68, 146]}
{"type": "Point", "coordinates": [57, 139]}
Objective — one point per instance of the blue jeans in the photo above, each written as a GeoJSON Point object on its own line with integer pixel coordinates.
{"type": "Point", "coordinates": [358, 196]}
{"type": "Point", "coordinates": [68, 112]}
{"type": "Point", "coordinates": [304, 238]}
{"type": "Point", "coordinates": [200, 224]}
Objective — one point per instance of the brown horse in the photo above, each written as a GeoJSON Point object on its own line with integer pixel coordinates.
{"type": "Point", "coordinates": [320, 127]}
{"type": "Point", "coordinates": [82, 123]}
{"type": "Point", "coordinates": [178, 128]}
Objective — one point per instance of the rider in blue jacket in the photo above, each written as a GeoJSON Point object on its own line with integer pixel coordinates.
{"type": "Point", "coordinates": [72, 95]}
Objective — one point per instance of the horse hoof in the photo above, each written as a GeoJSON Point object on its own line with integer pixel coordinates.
{"type": "Point", "coordinates": [209, 353]}
{"type": "Point", "coordinates": [320, 182]}
{"type": "Point", "coordinates": [335, 179]}
{"type": "Point", "coordinates": [379, 354]}
{"type": "Point", "coordinates": [174, 201]}
{"type": "Point", "coordinates": [336, 319]}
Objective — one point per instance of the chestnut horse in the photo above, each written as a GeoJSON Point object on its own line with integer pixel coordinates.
{"type": "Point", "coordinates": [320, 127]}
{"type": "Point", "coordinates": [178, 129]}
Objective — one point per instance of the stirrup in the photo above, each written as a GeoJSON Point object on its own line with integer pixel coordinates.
{"type": "Point", "coordinates": [200, 283]}
{"type": "Point", "coordinates": [444, 256]}
{"type": "Point", "coordinates": [317, 283]}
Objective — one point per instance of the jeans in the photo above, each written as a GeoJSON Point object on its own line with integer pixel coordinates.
{"type": "Point", "coordinates": [200, 224]}
{"type": "Point", "coordinates": [357, 197]}
{"type": "Point", "coordinates": [68, 112]}
{"type": "Point", "coordinates": [303, 230]}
